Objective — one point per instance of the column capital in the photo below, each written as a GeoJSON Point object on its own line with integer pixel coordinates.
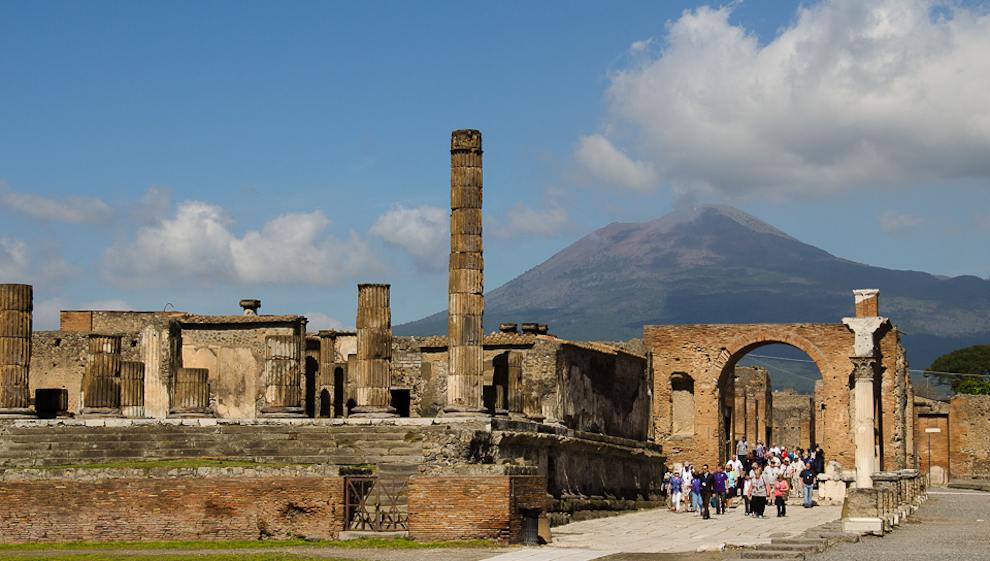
{"type": "Point", "coordinates": [864, 368]}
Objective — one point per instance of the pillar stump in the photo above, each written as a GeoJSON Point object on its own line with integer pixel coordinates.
{"type": "Point", "coordinates": [16, 306]}
{"type": "Point", "coordinates": [374, 352]}
{"type": "Point", "coordinates": [132, 389]}
{"type": "Point", "coordinates": [101, 380]}
{"type": "Point", "coordinates": [283, 395]}
{"type": "Point", "coordinates": [191, 393]}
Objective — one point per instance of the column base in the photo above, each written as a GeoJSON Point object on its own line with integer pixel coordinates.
{"type": "Point", "coordinates": [17, 413]}
{"type": "Point", "coordinates": [373, 412]}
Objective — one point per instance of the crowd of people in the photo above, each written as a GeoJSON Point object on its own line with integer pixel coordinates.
{"type": "Point", "coordinates": [755, 476]}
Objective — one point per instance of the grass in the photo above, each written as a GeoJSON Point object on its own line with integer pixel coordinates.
{"type": "Point", "coordinates": [360, 543]}
{"type": "Point", "coordinates": [166, 464]}
{"type": "Point", "coordinates": [270, 556]}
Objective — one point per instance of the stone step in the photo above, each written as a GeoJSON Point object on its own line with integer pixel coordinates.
{"type": "Point", "coordinates": [760, 553]}
{"type": "Point", "coordinates": [805, 547]}
{"type": "Point", "coordinates": [801, 540]}
{"type": "Point", "coordinates": [837, 536]}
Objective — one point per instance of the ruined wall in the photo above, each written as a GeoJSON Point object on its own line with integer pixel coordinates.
{"type": "Point", "coordinates": [579, 464]}
{"type": "Point", "coordinates": [893, 391]}
{"type": "Point", "coordinates": [603, 392]}
{"type": "Point", "coordinates": [753, 402]}
{"type": "Point", "coordinates": [708, 352]}
{"type": "Point", "coordinates": [58, 360]}
{"type": "Point", "coordinates": [969, 436]}
{"type": "Point", "coordinates": [190, 504]}
{"type": "Point", "coordinates": [793, 420]}
{"type": "Point", "coordinates": [235, 357]}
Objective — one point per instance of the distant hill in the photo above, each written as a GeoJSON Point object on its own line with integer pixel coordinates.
{"type": "Point", "coordinates": [716, 264]}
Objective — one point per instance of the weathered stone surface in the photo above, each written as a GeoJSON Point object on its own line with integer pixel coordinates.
{"type": "Point", "coordinates": [969, 436]}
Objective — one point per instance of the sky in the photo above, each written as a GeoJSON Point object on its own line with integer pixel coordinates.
{"type": "Point", "coordinates": [189, 154]}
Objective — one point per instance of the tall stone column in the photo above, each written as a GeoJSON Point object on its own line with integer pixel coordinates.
{"type": "Point", "coordinates": [328, 361]}
{"type": "Point", "coordinates": [16, 306]}
{"type": "Point", "coordinates": [865, 362]}
{"type": "Point", "coordinates": [466, 304]}
{"type": "Point", "coordinates": [282, 376]}
{"type": "Point", "coordinates": [864, 370]}
{"type": "Point", "coordinates": [374, 352]}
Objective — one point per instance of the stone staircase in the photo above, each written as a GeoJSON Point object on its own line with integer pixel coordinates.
{"type": "Point", "coordinates": [815, 540]}
{"type": "Point", "coordinates": [23, 446]}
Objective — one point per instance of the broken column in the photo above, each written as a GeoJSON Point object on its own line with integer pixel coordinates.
{"type": "Point", "coordinates": [328, 361]}
{"type": "Point", "coordinates": [16, 305]}
{"type": "Point", "coordinates": [865, 362]}
{"type": "Point", "coordinates": [283, 395]}
{"type": "Point", "coordinates": [374, 352]}
{"type": "Point", "coordinates": [101, 379]}
{"type": "Point", "coordinates": [466, 304]}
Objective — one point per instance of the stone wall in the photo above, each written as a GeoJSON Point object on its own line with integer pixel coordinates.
{"type": "Point", "coordinates": [193, 504]}
{"type": "Point", "coordinates": [473, 506]}
{"type": "Point", "coordinates": [709, 352]}
{"type": "Point", "coordinates": [969, 436]}
{"type": "Point", "coordinates": [793, 420]}
{"type": "Point", "coordinates": [58, 360]}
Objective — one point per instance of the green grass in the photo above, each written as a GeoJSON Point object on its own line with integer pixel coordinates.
{"type": "Point", "coordinates": [271, 556]}
{"type": "Point", "coordinates": [166, 464]}
{"type": "Point", "coordinates": [369, 543]}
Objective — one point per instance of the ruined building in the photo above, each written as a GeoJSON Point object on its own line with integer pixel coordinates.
{"type": "Point", "coordinates": [459, 435]}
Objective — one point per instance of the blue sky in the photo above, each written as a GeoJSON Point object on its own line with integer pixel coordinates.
{"type": "Point", "coordinates": [195, 153]}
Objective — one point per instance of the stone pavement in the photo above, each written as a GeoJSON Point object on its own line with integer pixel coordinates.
{"type": "Point", "coordinates": [662, 531]}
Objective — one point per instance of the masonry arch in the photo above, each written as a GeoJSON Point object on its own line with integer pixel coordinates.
{"type": "Point", "coordinates": [708, 352]}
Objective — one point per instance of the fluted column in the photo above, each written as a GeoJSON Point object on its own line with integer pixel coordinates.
{"type": "Point", "coordinates": [328, 361]}
{"type": "Point", "coordinates": [191, 393]}
{"type": "Point", "coordinates": [101, 379]}
{"type": "Point", "coordinates": [16, 305]}
{"type": "Point", "coordinates": [466, 304]}
{"type": "Point", "coordinates": [282, 375]}
{"type": "Point", "coordinates": [374, 352]}
{"type": "Point", "coordinates": [132, 389]}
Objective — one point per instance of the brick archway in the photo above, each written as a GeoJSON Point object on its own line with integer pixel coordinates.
{"type": "Point", "coordinates": [707, 352]}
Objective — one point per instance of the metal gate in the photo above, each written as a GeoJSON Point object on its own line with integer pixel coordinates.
{"type": "Point", "coordinates": [376, 504]}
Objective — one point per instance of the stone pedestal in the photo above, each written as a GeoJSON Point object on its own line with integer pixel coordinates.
{"type": "Point", "coordinates": [374, 352]}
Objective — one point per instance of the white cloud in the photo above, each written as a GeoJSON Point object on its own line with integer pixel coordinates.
{"type": "Point", "coordinates": [853, 93]}
{"type": "Point", "coordinates": [609, 164]}
{"type": "Point", "coordinates": [641, 46]}
{"type": "Point", "coordinates": [895, 222]}
{"type": "Point", "coordinates": [422, 232]}
{"type": "Point", "coordinates": [523, 220]}
{"type": "Point", "coordinates": [318, 320]}
{"type": "Point", "coordinates": [14, 260]}
{"type": "Point", "coordinates": [198, 244]}
{"type": "Point", "coordinates": [75, 210]}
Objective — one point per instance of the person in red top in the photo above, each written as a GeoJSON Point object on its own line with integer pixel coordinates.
{"type": "Point", "coordinates": [780, 490]}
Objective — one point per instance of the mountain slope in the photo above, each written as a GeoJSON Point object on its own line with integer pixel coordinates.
{"type": "Point", "coordinates": [717, 264]}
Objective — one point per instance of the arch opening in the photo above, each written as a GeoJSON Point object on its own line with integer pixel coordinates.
{"type": "Point", "coordinates": [770, 398]}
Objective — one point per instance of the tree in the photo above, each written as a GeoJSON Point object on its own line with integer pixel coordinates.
{"type": "Point", "coordinates": [968, 360]}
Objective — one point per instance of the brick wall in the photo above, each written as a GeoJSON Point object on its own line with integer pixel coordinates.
{"type": "Point", "coordinates": [473, 506]}
{"type": "Point", "coordinates": [179, 508]}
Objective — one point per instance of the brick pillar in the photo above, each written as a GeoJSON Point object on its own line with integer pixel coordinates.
{"type": "Point", "coordinates": [374, 352]}
{"type": "Point", "coordinates": [101, 380]}
{"type": "Point", "coordinates": [283, 396]}
{"type": "Point", "coordinates": [16, 305]}
{"type": "Point", "coordinates": [466, 304]}
{"type": "Point", "coordinates": [867, 302]}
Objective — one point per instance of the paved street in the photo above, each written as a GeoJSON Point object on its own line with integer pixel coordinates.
{"type": "Point", "coordinates": [661, 531]}
{"type": "Point", "coordinates": [952, 524]}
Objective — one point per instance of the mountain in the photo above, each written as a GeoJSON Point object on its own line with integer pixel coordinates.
{"type": "Point", "coordinates": [717, 264]}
